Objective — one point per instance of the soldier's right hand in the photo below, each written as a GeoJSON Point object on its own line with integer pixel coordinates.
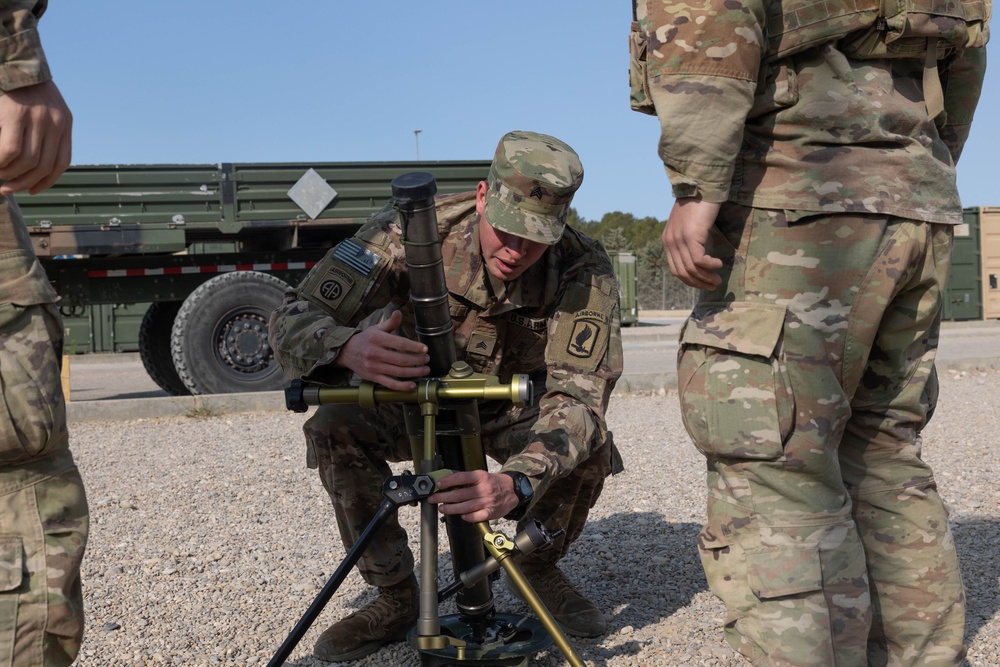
{"type": "Point", "coordinates": [378, 355]}
{"type": "Point", "coordinates": [685, 237]}
{"type": "Point", "coordinates": [36, 130]}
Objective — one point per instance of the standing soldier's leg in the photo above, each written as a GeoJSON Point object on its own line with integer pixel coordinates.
{"type": "Point", "coordinates": [350, 447]}
{"type": "Point", "coordinates": [761, 382]}
{"type": "Point", "coordinates": [43, 509]}
{"type": "Point", "coordinates": [917, 594]}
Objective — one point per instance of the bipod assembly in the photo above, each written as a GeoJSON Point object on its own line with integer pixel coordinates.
{"type": "Point", "coordinates": [490, 639]}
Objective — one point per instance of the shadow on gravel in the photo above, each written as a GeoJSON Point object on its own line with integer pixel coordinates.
{"type": "Point", "coordinates": [648, 567]}
{"type": "Point", "coordinates": [977, 540]}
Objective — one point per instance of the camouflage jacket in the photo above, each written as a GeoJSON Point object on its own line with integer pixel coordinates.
{"type": "Point", "coordinates": [22, 61]}
{"type": "Point", "coordinates": [815, 131]}
{"type": "Point", "coordinates": [559, 323]}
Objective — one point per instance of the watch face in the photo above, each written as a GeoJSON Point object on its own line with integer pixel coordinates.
{"type": "Point", "coordinates": [524, 487]}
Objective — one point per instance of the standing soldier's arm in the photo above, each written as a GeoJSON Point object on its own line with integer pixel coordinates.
{"type": "Point", "coordinates": [703, 60]}
{"type": "Point", "coordinates": [584, 361]}
{"type": "Point", "coordinates": [35, 123]}
{"type": "Point", "coordinates": [963, 84]}
{"type": "Point", "coordinates": [702, 63]}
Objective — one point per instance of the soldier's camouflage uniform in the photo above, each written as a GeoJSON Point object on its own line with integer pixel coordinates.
{"type": "Point", "coordinates": [806, 377]}
{"type": "Point", "coordinates": [558, 322]}
{"type": "Point", "coordinates": [43, 510]}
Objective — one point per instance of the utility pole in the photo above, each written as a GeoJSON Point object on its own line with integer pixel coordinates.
{"type": "Point", "coordinates": [416, 139]}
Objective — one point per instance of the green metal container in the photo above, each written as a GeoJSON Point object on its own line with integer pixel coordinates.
{"type": "Point", "coordinates": [963, 295]}
{"type": "Point", "coordinates": [624, 265]}
{"type": "Point", "coordinates": [103, 328]}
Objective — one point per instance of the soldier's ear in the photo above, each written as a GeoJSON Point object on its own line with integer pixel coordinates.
{"type": "Point", "coordinates": [481, 197]}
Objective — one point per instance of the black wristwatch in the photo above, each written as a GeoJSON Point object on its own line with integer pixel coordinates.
{"type": "Point", "coordinates": [524, 493]}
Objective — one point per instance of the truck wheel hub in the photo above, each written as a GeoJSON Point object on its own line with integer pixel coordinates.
{"type": "Point", "coordinates": [243, 343]}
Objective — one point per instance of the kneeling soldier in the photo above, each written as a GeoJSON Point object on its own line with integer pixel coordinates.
{"type": "Point", "coordinates": [527, 295]}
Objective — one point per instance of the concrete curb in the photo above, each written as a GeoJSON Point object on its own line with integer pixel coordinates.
{"type": "Point", "coordinates": [274, 401]}
{"type": "Point", "coordinates": [175, 406]}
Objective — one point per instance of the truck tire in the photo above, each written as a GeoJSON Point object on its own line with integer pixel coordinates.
{"type": "Point", "coordinates": [219, 338]}
{"type": "Point", "coordinates": [154, 347]}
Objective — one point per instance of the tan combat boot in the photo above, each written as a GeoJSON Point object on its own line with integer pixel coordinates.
{"type": "Point", "coordinates": [575, 614]}
{"type": "Point", "coordinates": [385, 619]}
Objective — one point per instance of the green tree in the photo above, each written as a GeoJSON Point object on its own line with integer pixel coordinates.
{"type": "Point", "coordinates": [614, 240]}
{"type": "Point", "coordinates": [623, 232]}
{"type": "Point", "coordinates": [574, 220]}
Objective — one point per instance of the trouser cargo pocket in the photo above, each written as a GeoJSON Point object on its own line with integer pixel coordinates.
{"type": "Point", "coordinates": [736, 400]}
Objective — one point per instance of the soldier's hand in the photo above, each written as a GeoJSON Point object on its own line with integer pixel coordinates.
{"type": "Point", "coordinates": [477, 495]}
{"type": "Point", "coordinates": [378, 355]}
{"type": "Point", "coordinates": [685, 238]}
{"type": "Point", "coordinates": [36, 129]}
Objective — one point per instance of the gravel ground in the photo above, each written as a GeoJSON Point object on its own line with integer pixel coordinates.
{"type": "Point", "coordinates": [210, 538]}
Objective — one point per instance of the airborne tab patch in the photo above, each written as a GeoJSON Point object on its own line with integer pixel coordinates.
{"type": "Point", "coordinates": [356, 256]}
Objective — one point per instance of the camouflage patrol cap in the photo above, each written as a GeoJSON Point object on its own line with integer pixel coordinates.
{"type": "Point", "coordinates": [531, 184]}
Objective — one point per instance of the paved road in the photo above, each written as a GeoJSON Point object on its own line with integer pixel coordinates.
{"type": "Point", "coordinates": [100, 383]}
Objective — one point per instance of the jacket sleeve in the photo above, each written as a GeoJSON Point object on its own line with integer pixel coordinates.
{"type": "Point", "coordinates": [22, 61]}
{"type": "Point", "coordinates": [963, 84]}
{"type": "Point", "coordinates": [702, 61]}
{"type": "Point", "coordinates": [583, 362]}
{"type": "Point", "coordinates": [351, 288]}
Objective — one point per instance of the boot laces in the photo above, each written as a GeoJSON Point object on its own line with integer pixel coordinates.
{"type": "Point", "coordinates": [554, 583]}
{"type": "Point", "coordinates": [381, 609]}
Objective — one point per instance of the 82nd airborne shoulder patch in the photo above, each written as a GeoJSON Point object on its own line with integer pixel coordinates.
{"type": "Point", "coordinates": [334, 287]}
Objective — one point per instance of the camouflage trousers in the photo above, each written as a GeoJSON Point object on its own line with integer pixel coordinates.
{"type": "Point", "coordinates": [351, 448]}
{"type": "Point", "coordinates": [805, 380]}
{"type": "Point", "coordinates": [43, 510]}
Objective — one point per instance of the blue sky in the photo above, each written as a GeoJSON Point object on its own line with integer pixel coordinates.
{"type": "Point", "coordinates": [336, 80]}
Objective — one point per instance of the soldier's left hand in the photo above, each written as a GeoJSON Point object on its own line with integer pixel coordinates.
{"type": "Point", "coordinates": [476, 495]}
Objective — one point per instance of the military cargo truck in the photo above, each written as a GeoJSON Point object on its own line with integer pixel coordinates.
{"type": "Point", "coordinates": [210, 248]}
{"type": "Point", "coordinates": [184, 263]}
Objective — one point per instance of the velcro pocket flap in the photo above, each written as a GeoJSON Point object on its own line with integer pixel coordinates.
{"type": "Point", "coordinates": [775, 572]}
{"type": "Point", "coordinates": [744, 327]}
{"type": "Point", "coordinates": [11, 562]}
{"type": "Point", "coordinates": [25, 282]}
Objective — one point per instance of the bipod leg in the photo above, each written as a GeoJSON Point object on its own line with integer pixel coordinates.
{"type": "Point", "coordinates": [398, 491]}
{"type": "Point", "coordinates": [500, 547]}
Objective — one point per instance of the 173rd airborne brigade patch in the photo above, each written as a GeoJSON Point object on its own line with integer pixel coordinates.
{"type": "Point", "coordinates": [581, 334]}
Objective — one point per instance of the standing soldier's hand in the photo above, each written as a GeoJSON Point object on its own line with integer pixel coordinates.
{"type": "Point", "coordinates": [36, 130]}
{"type": "Point", "coordinates": [685, 238]}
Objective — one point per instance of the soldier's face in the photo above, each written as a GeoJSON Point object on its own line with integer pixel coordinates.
{"type": "Point", "coordinates": [506, 256]}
